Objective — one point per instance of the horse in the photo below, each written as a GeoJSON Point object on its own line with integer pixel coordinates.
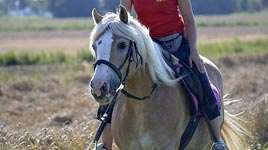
{"type": "Point", "coordinates": [126, 55]}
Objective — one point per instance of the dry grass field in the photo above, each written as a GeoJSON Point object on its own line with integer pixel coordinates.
{"type": "Point", "coordinates": [49, 106]}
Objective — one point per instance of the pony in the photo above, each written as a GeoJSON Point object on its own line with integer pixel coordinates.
{"type": "Point", "coordinates": [127, 57]}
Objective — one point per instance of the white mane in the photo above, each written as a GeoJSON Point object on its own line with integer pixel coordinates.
{"type": "Point", "coordinates": [151, 53]}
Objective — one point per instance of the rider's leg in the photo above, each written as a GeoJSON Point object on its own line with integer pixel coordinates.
{"type": "Point", "coordinates": [210, 106]}
{"type": "Point", "coordinates": [216, 126]}
{"type": "Point", "coordinates": [211, 110]}
{"type": "Point", "coordinates": [209, 100]}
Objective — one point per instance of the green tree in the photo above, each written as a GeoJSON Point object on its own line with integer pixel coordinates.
{"type": "Point", "coordinates": [81, 8]}
{"type": "Point", "coordinates": [214, 6]}
{"type": "Point", "coordinates": [3, 7]}
{"type": "Point", "coordinates": [265, 3]}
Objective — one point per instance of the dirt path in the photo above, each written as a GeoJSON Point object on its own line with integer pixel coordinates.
{"type": "Point", "coordinates": [223, 34]}
{"type": "Point", "coordinates": [72, 41]}
{"type": "Point", "coordinates": [67, 41]}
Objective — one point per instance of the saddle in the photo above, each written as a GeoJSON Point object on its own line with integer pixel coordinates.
{"type": "Point", "coordinates": [194, 90]}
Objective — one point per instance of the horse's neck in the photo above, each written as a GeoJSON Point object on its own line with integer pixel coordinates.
{"type": "Point", "coordinates": [140, 117]}
{"type": "Point", "coordinates": [140, 84]}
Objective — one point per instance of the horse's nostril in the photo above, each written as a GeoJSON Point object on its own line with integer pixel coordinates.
{"type": "Point", "coordinates": [99, 89]}
{"type": "Point", "coordinates": [104, 87]}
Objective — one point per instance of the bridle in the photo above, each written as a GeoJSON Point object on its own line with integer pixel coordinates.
{"type": "Point", "coordinates": [128, 59]}
{"type": "Point", "coordinates": [116, 69]}
{"type": "Point", "coordinates": [120, 88]}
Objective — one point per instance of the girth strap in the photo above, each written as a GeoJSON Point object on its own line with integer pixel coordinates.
{"type": "Point", "coordinates": [192, 124]}
{"type": "Point", "coordinates": [189, 131]}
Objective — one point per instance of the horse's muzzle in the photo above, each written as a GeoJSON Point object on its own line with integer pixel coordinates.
{"type": "Point", "coordinates": [101, 92]}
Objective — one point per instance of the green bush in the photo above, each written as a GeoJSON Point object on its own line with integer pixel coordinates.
{"type": "Point", "coordinates": [57, 57]}
{"type": "Point", "coordinates": [85, 56]}
{"type": "Point", "coordinates": [234, 47]}
{"type": "Point", "coordinates": [9, 59]}
{"type": "Point", "coordinates": [29, 58]}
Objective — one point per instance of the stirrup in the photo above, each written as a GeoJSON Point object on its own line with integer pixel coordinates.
{"type": "Point", "coordinates": [101, 146]}
{"type": "Point", "coordinates": [219, 145]}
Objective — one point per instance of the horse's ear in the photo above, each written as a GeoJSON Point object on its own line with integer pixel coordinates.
{"type": "Point", "coordinates": [123, 14]}
{"type": "Point", "coordinates": [96, 16]}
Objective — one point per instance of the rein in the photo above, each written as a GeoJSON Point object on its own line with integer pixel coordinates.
{"type": "Point", "coordinates": [117, 70]}
{"type": "Point", "coordinates": [119, 89]}
{"type": "Point", "coordinates": [139, 98]}
{"type": "Point", "coordinates": [103, 119]}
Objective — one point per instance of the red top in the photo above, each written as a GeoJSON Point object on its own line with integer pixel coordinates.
{"type": "Point", "coordinates": [160, 16]}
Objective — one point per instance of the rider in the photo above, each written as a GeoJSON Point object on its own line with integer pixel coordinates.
{"type": "Point", "coordinates": [173, 20]}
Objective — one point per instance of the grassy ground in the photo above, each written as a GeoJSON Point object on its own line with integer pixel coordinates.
{"type": "Point", "coordinates": [44, 75]}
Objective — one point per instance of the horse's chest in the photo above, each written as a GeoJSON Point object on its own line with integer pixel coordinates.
{"type": "Point", "coordinates": [136, 139]}
{"type": "Point", "coordinates": [142, 132]}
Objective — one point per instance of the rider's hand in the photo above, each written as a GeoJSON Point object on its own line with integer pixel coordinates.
{"type": "Point", "coordinates": [194, 57]}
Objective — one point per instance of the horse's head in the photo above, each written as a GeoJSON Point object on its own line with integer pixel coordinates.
{"type": "Point", "coordinates": [116, 54]}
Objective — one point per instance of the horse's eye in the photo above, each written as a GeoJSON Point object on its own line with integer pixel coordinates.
{"type": "Point", "coordinates": [122, 45]}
